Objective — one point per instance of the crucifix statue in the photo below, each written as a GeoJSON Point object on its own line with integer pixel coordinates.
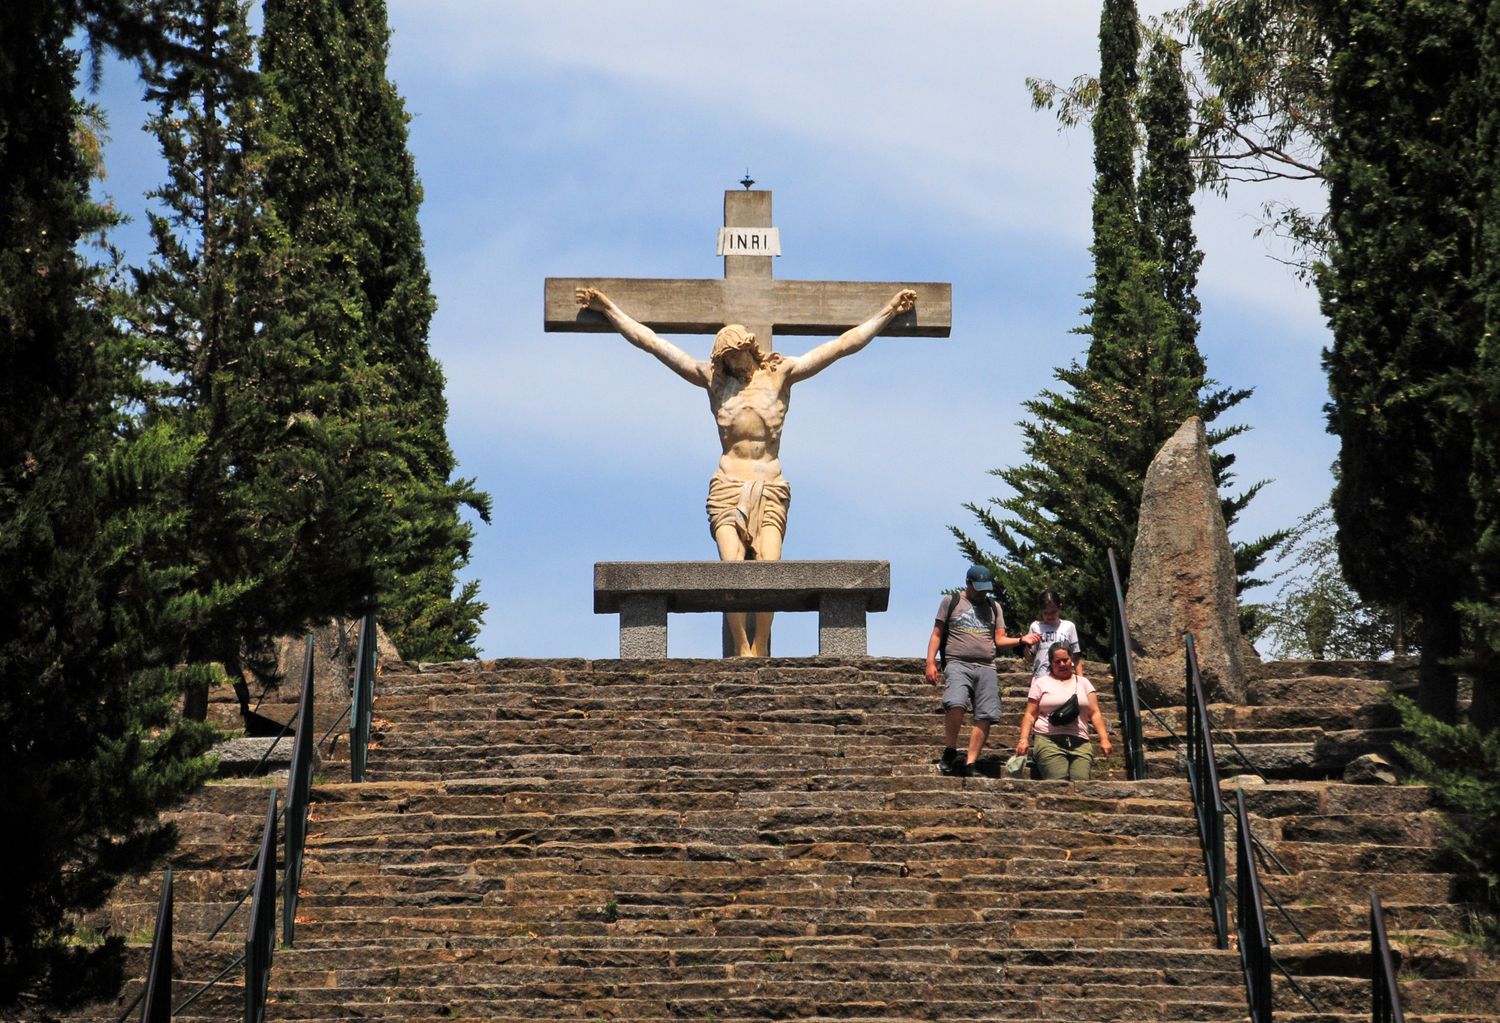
{"type": "Point", "coordinates": [748, 384]}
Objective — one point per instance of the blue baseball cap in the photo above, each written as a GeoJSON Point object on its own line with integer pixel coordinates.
{"type": "Point", "coordinates": [980, 579]}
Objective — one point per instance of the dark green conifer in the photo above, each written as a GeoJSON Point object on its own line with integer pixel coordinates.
{"type": "Point", "coordinates": [1088, 444]}
{"type": "Point", "coordinates": [196, 311]}
{"type": "Point", "coordinates": [1400, 293]}
{"type": "Point", "coordinates": [1485, 483]}
{"type": "Point", "coordinates": [89, 746]}
{"type": "Point", "coordinates": [354, 302]}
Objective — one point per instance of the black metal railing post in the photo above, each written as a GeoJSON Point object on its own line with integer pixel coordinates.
{"type": "Point", "coordinates": [1122, 667]}
{"type": "Point", "coordinates": [362, 709]}
{"type": "Point", "coordinates": [1250, 919]}
{"type": "Point", "coordinates": [298, 794]}
{"type": "Point", "coordinates": [1385, 997]}
{"type": "Point", "coordinates": [158, 1007]}
{"type": "Point", "coordinates": [1208, 804]}
{"type": "Point", "coordinates": [260, 943]}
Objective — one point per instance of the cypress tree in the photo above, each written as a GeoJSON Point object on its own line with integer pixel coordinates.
{"type": "Point", "coordinates": [89, 746]}
{"type": "Point", "coordinates": [1399, 291]}
{"type": "Point", "coordinates": [1485, 408]}
{"type": "Point", "coordinates": [351, 316]}
{"type": "Point", "coordinates": [196, 309]}
{"type": "Point", "coordinates": [1088, 444]}
{"type": "Point", "coordinates": [428, 620]}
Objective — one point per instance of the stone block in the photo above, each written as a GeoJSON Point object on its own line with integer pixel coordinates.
{"type": "Point", "coordinates": [239, 757]}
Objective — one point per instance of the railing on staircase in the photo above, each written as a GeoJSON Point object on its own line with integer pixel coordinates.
{"type": "Point", "coordinates": [1122, 666]}
{"type": "Point", "coordinates": [261, 941]}
{"type": "Point", "coordinates": [298, 796]}
{"type": "Point", "coordinates": [1208, 804]}
{"type": "Point", "coordinates": [361, 712]}
{"type": "Point", "coordinates": [1250, 919]}
{"type": "Point", "coordinates": [158, 993]}
{"type": "Point", "coordinates": [1385, 998]}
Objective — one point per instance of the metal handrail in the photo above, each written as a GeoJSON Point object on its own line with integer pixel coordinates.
{"type": "Point", "coordinates": [298, 795]}
{"type": "Point", "coordinates": [260, 942]}
{"type": "Point", "coordinates": [1250, 920]}
{"type": "Point", "coordinates": [362, 711]}
{"type": "Point", "coordinates": [1385, 997]}
{"type": "Point", "coordinates": [1122, 666]}
{"type": "Point", "coordinates": [295, 812]}
{"type": "Point", "coordinates": [1208, 803]}
{"type": "Point", "coordinates": [158, 1008]}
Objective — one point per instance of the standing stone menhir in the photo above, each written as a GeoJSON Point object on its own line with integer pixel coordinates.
{"type": "Point", "coordinates": [1182, 576]}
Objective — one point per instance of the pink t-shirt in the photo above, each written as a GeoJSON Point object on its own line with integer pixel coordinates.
{"type": "Point", "coordinates": [1051, 694]}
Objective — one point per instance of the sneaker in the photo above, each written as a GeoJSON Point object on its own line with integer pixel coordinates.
{"type": "Point", "coordinates": [951, 762]}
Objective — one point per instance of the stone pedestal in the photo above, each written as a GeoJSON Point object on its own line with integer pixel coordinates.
{"type": "Point", "coordinates": [643, 626]}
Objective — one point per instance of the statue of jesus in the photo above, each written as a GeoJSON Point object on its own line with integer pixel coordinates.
{"type": "Point", "coordinates": [748, 393]}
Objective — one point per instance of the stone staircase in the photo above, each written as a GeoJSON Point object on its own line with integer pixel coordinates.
{"type": "Point", "coordinates": [722, 841]}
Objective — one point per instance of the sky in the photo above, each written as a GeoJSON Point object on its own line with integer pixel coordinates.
{"type": "Point", "coordinates": [597, 138]}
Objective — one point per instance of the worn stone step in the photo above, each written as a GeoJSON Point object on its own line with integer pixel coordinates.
{"type": "Point", "coordinates": [1318, 690]}
{"type": "Point", "coordinates": [773, 965]}
{"type": "Point", "coordinates": [649, 781]}
{"type": "Point", "coordinates": [833, 1004]}
{"type": "Point", "coordinates": [1295, 715]}
{"type": "Point", "coordinates": [773, 825]}
{"type": "Point", "coordinates": [1419, 995]}
{"type": "Point", "coordinates": [1182, 927]}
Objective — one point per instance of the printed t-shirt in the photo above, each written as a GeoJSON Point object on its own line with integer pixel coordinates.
{"type": "Point", "coordinates": [1063, 632]}
{"type": "Point", "coordinates": [1050, 694]}
{"type": "Point", "coordinates": [971, 630]}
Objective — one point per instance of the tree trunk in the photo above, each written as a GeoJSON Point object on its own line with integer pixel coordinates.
{"type": "Point", "coordinates": [1437, 686]}
{"type": "Point", "coordinates": [1484, 712]}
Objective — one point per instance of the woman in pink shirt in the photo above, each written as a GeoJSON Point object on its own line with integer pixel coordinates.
{"type": "Point", "coordinates": [1056, 708]}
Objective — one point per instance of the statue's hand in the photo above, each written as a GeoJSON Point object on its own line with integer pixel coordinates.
{"type": "Point", "coordinates": [590, 298]}
{"type": "Point", "coordinates": [904, 302]}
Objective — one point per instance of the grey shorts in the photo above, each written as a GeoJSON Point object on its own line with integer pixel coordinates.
{"type": "Point", "coordinates": [971, 683]}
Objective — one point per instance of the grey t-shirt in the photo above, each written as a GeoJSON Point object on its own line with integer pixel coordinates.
{"type": "Point", "coordinates": [971, 630]}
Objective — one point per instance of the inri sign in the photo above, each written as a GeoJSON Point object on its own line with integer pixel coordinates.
{"type": "Point", "coordinates": [749, 241]}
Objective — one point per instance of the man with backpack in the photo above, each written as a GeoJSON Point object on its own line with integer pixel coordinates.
{"type": "Point", "coordinates": [968, 631]}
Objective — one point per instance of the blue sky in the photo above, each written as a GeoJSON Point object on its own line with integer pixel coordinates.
{"type": "Point", "coordinates": [597, 138]}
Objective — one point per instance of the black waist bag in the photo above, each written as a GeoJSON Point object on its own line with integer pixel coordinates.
{"type": "Point", "coordinates": [1065, 715]}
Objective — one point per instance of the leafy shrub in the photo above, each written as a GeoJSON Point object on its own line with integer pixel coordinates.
{"type": "Point", "coordinates": [1462, 766]}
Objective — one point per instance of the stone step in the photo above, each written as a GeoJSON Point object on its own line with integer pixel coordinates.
{"type": "Point", "coordinates": [774, 966]}
{"type": "Point", "coordinates": [1094, 873]}
{"type": "Point", "coordinates": [1181, 927]}
{"type": "Point", "coordinates": [549, 798]}
{"type": "Point", "coordinates": [1318, 690]}
{"type": "Point", "coordinates": [752, 1002]}
{"type": "Point", "coordinates": [571, 705]}
{"type": "Point", "coordinates": [648, 781]}
{"type": "Point", "coordinates": [1296, 715]}
{"type": "Point", "coordinates": [774, 826]}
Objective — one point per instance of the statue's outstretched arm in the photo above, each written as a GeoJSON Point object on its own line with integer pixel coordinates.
{"type": "Point", "coordinates": [853, 339]}
{"type": "Point", "coordinates": [644, 338]}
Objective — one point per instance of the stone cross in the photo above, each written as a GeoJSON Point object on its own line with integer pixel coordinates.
{"type": "Point", "coordinates": [750, 296]}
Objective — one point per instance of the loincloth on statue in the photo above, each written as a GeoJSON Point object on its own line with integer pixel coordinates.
{"type": "Point", "coordinates": [748, 505]}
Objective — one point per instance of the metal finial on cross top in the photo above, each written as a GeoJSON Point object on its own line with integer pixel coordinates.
{"type": "Point", "coordinates": [747, 180]}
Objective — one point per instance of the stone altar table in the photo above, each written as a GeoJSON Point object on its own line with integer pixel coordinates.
{"type": "Point", "coordinates": [644, 592]}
